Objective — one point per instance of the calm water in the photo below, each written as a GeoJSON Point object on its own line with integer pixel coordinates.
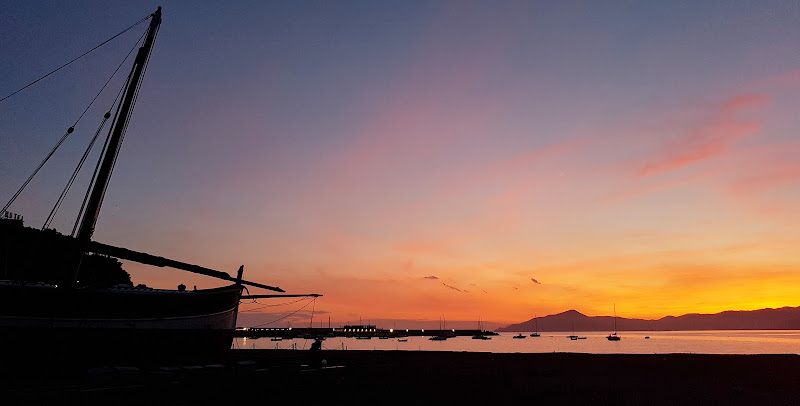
{"type": "Point", "coordinates": [633, 342]}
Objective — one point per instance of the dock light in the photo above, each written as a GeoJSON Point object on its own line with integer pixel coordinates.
{"type": "Point", "coordinates": [391, 330]}
{"type": "Point", "coordinates": [423, 330]}
{"type": "Point", "coordinates": [406, 330]}
{"type": "Point", "coordinates": [454, 330]}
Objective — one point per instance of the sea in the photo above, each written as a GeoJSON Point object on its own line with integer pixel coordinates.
{"type": "Point", "coordinates": [631, 342]}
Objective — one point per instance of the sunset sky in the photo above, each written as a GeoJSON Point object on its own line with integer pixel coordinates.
{"type": "Point", "coordinates": [410, 160]}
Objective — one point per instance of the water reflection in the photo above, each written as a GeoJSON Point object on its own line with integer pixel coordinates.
{"type": "Point", "coordinates": [632, 342]}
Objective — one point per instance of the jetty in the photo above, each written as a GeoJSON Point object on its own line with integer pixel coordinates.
{"type": "Point", "coordinates": [358, 331]}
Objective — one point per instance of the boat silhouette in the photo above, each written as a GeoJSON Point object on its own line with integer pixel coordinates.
{"type": "Point", "coordinates": [574, 337]}
{"type": "Point", "coordinates": [79, 305]}
{"type": "Point", "coordinates": [480, 335]}
{"type": "Point", "coordinates": [613, 336]}
{"type": "Point", "coordinates": [536, 324]}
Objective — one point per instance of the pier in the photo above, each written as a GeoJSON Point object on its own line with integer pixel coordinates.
{"type": "Point", "coordinates": [357, 331]}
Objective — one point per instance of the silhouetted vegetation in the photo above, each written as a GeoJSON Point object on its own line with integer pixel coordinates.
{"type": "Point", "coordinates": [32, 255]}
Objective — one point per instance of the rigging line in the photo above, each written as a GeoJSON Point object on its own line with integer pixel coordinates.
{"type": "Point", "coordinates": [269, 305]}
{"type": "Point", "coordinates": [61, 141]}
{"type": "Point", "coordinates": [312, 313]}
{"type": "Point", "coordinates": [109, 79]}
{"type": "Point", "coordinates": [102, 152]}
{"type": "Point", "coordinates": [99, 160]}
{"type": "Point", "coordinates": [290, 314]}
{"type": "Point", "coordinates": [79, 57]}
{"type": "Point", "coordinates": [254, 302]}
{"type": "Point", "coordinates": [138, 87]}
{"type": "Point", "coordinates": [60, 200]}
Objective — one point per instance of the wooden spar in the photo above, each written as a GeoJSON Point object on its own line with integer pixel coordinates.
{"type": "Point", "coordinates": [122, 118]}
{"type": "Point", "coordinates": [271, 296]}
{"type": "Point", "coordinates": [144, 258]}
{"type": "Point", "coordinates": [116, 133]}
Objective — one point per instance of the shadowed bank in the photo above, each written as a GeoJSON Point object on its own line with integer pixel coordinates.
{"type": "Point", "coordinates": [394, 377]}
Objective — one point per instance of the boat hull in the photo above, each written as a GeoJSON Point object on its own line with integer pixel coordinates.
{"type": "Point", "coordinates": [40, 321]}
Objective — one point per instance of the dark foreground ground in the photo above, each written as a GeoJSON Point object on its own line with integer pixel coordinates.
{"type": "Point", "coordinates": [406, 377]}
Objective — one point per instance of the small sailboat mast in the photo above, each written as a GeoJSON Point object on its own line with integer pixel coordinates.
{"type": "Point", "coordinates": [614, 336]}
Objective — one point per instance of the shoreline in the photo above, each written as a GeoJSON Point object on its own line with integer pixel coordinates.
{"type": "Point", "coordinates": [424, 376]}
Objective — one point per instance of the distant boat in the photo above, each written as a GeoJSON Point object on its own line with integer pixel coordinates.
{"type": "Point", "coordinates": [364, 338]}
{"type": "Point", "coordinates": [536, 324]}
{"type": "Point", "coordinates": [520, 335]}
{"type": "Point", "coordinates": [442, 336]}
{"type": "Point", "coordinates": [614, 336]}
{"type": "Point", "coordinates": [480, 335]}
{"type": "Point", "coordinates": [573, 337]}
{"type": "Point", "coordinates": [402, 340]}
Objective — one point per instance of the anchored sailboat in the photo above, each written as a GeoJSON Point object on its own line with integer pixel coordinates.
{"type": "Point", "coordinates": [614, 336]}
{"type": "Point", "coordinates": [480, 335]}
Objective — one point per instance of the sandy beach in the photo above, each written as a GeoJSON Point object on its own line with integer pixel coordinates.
{"type": "Point", "coordinates": [393, 377]}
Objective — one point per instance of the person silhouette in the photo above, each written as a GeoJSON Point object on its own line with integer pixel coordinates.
{"type": "Point", "coordinates": [316, 353]}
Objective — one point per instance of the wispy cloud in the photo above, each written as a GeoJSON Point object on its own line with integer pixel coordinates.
{"type": "Point", "coordinates": [766, 181]}
{"type": "Point", "coordinates": [453, 287]}
{"type": "Point", "coordinates": [710, 139]}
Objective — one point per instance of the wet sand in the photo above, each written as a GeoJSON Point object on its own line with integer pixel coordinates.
{"type": "Point", "coordinates": [421, 377]}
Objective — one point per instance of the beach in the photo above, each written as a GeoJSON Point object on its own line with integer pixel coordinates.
{"type": "Point", "coordinates": [403, 377]}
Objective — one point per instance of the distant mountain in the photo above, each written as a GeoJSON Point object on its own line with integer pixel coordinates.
{"type": "Point", "coordinates": [785, 318]}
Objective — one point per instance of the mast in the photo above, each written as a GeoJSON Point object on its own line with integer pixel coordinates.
{"type": "Point", "coordinates": [122, 118]}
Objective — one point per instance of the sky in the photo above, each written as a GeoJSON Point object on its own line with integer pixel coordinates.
{"type": "Point", "coordinates": [419, 160]}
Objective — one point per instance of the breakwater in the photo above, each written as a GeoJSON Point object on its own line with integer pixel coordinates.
{"type": "Point", "coordinates": [360, 331]}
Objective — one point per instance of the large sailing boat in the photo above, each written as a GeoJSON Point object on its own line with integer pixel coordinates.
{"type": "Point", "coordinates": [60, 299]}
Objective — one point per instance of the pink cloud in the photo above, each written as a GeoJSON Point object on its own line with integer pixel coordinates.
{"type": "Point", "coordinates": [767, 181]}
{"type": "Point", "coordinates": [791, 78]}
{"type": "Point", "coordinates": [709, 140]}
{"type": "Point", "coordinates": [502, 170]}
{"type": "Point", "coordinates": [640, 190]}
